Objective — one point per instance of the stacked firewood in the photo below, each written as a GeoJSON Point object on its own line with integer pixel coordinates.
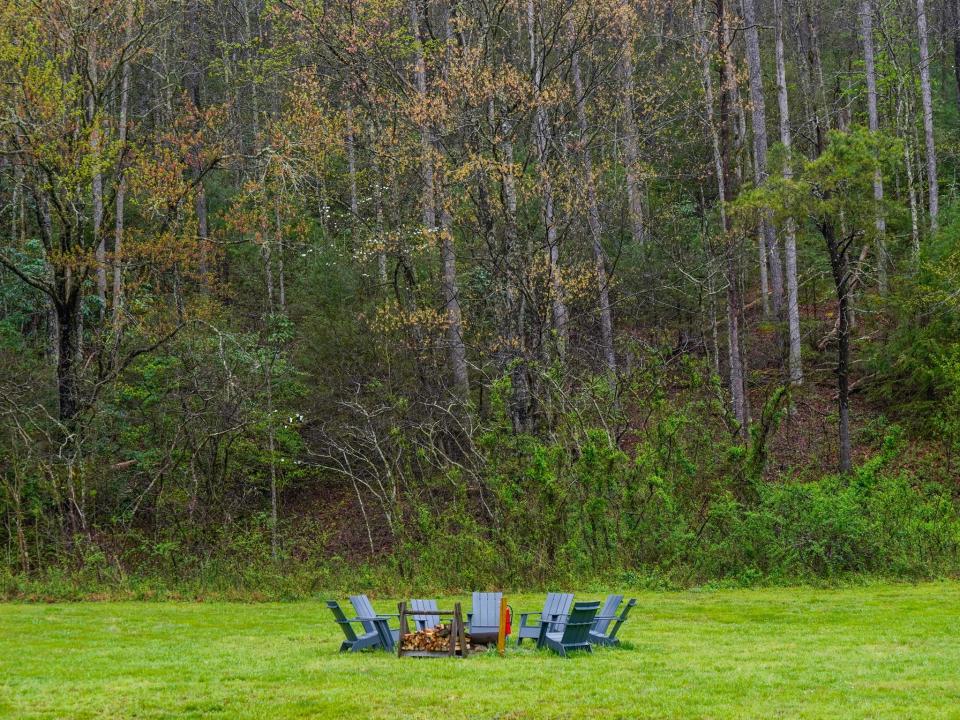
{"type": "Point", "coordinates": [435, 639]}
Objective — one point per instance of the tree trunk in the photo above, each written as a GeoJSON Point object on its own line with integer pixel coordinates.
{"type": "Point", "coordinates": [122, 180]}
{"type": "Point", "coordinates": [352, 168]}
{"type": "Point", "coordinates": [541, 132]}
{"type": "Point", "coordinates": [866, 32]}
{"type": "Point", "coordinates": [427, 208]}
{"type": "Point", "coordinates": [631, 149]}
{"type": "Point", "coordinates": [513, 332]}
{"type": "Point", "coordinates": [449, 286]}
{"type": "Point", "coordinates": [271, 448]}
{"type": "Point", "coordinates": [457, 351]}
{"type": "Point", "coordinates": [955, 30]}
{"type": "Point", "coordinates": [720, 137]}
{"type": "Point", "coordinates": [192, 79]}
{"type": "Point", "coordinates": [840, 266]}
{"type": "Point", "coordinates": [811, 74]}
{"type": "Point", "coordinates": [933, 194]}
{"type": "Point", "coordinates": [67, 344]}
{"type": "Point", "coordinates": [593, 215]}
{"type": "Point", "coordinates": [100, 252]}
{"type": "Point", "coordinates": [903, 122]}
{"type": "Point", "coordinates": [377, 184]}
{"type": "Point", "coordinates": [759, 117]}
{"type": "Point", "coordinates": [795, 361]}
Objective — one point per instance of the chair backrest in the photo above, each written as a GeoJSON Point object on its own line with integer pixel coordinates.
{"type": "Point", "coordinates": [341, 619]}
{"type": "Point", "coordinates": [576, 631]}
{"type": "Point", "coordinates": [607, 613]}
{"type": "Point", "coordinates": [486, 612]}
{"type": "Point", "coordinates": [421, 621]}
{"type": "Point", "coordinates": [364, 609]}
{"type": "Point", "coordinates": [623, 617]}
{"type": "Point", "coordinates": [556, 604]}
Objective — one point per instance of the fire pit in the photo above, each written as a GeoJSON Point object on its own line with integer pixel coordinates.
{"type": "Point", "coordinates": [444, 640]}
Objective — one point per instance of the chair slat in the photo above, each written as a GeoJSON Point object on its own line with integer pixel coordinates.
{"type": "Point", "coordinates": [608, 612]}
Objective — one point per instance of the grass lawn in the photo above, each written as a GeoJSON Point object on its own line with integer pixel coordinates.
{"type": "Point", "coordinates": [882, 651]}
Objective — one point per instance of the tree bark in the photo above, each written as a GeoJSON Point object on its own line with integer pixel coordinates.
{"type": "Point", "coordinates": [795, 361]}
{"type": "Point", "coordinates": [759, 117]}
{"type": "Point", "coordinates": [721, 141]}
{"type": "Point", "coordinates": [593, 215]}
{"type": "Point", "coordinates": [541, 133]}
{"type": "Point", "coordinates": [450, 288]}
{"type": "Point", "coordinates": [933, 194]}
{"type": "Point", "coordinates": [427, 199]}
{"type": "Point", "coordinates": [67, 344]}
{"type": "Point", "coordinates": [513, 325]}
{"type": "Point", "coordinates": [838, 247]}
{"type": "Point", "coordinates": [352, 167]}
{"type": "Point", "coordinates": [121, 195]}
{"type": "Point", "coordinates": [866, 32]}
{"type": "Point", "coordinates": [378, 205]}
{"type": "Point", "coordinates": [631, 149]}
{"type": "Point", "coordinates": [192, 81]}
{"type": "Point", "coordinates": [100, 253]}
{"type": "Point", "coordinates": [955, 30]}
{"type": "Point", "coordinates": [451, 296]}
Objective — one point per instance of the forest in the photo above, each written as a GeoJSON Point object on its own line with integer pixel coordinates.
{"type": "Point", "coordinates": [301, 294]}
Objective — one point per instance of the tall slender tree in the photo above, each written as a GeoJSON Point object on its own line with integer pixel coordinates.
{"type": "Point", "coordinates": [933, 192]}
{"type": "Point", "coordinates": [593, 208]}
{"type": "Point", "coordinates": [873, 122]}
{"type": "Point", "coordinates": [759, 118]}
{"type": "Point", "coordinates": [789, 228]}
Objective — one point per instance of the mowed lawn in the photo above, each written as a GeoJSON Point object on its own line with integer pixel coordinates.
{"type": "Point", "coordinates": [880, 651]}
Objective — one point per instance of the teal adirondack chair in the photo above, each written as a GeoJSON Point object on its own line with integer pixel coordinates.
{"type": "Point", "coordinates": [555, 607]}
{"type": "Point", "coordinates": [603, 637]}
{"type": "Point", "coordinates": [575, 630]}
{"type": "Point", "coordinates": [354, 642]}
{"type": "Point", "coordinates": [424, 621]}
{"type": "Point", "coordinates": [373, 621]}
{"type": "Point", "coordinates": [484, 621]}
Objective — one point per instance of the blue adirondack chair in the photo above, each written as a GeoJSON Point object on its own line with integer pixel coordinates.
{"type": "Point", "coordinates": [607, 613]}
{"type": "Point", "coordinates": [574, 630]}
{"type": "Point", "coordinates": [556, 607]}
{"type": "Point", "coordinates": [354, 641]}
{"type": "Point", "coordinates": [603, 637]}
{"type": "Point", "coordinates": [373, 621]}
{"type": "Point", "coordinates": [484, 621]}
{"type": "Point", "coordinates": [422, 621]}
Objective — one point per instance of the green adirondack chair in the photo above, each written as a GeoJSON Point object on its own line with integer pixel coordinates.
{"type": "Point", "coordinates": [354, 642]}
{"type": "Point", "coordinates": [602, 636]}
{"type": "Point", "coordinates": [574, 632]}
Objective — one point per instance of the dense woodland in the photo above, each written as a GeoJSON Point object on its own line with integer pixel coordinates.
{"type": "Point", "coordinates": [453, 293]}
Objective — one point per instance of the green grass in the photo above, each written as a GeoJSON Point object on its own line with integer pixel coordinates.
{"type": "Point", "coordinates": [881, 651]}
